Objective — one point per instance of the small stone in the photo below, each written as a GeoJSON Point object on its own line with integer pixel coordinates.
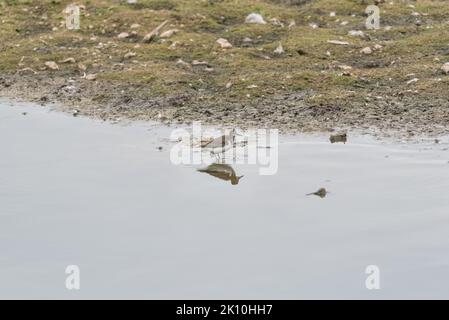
{"type": "Point", "coordinates": [75, 112]}
{"type": "Point", "coordinates": [255, 18]}
{"type": "Point", "coordinates": [412, 81]}
{"type": "Point", "coordinates": [130, 55]}
{"type": "Point", "coordinates": [344, 67]}
{"type": "Point", "coordinates": [229, 85]}
{"type": "Point", "coordinates": [168, 33]}
{"type": "Point", "coordinates": [68, 60]}
{"type": "Point", "coordinates": [91, 77]}
{"type": "Point", "coordinates": [123, 35]}
{"type": "Point", "coordinates": [225, 44]}
{"type": "Point", "coordinates": [182, 63]}
{"type": "Point", "coordinates": [276, 22]}
{"type": "Point", "coordinates": [366, 50]}
{"type": "Point", "coordinates": [279, 50]}
{"type": "Point", "coordinates": [356, 33]}
{"type": "Point", "coordinates": [199, 63]}
{"type": "Point", "coordinates": [174, 45]}
{"type": "Point", "coordinates": [445, 68]}
{"type": "Point", "coordinates": [135, 26]}
{"type": "Point", "coordinates": [338, 42]}
{"type": "Point", "coordinates": [52, 65]}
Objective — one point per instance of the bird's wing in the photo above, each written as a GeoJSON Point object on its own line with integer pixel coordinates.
{"type": "Point", "coordinates": [216, 143]}
{"type": "Point", "coordinates": [205, 142]}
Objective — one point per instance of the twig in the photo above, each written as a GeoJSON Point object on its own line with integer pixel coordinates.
{"type": "Point", "coordinates": [155, 32]}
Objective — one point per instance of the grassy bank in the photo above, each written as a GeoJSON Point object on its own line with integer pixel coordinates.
{"type": "Point", "coordinates": [313, 84]}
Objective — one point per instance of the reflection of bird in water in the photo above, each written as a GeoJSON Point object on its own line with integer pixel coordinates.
{"type": "Point", "coordinates": [219, 145]}
{"type": "Point", "coordinates": [320, 193]}
{"type": "Point", "coordinates": [222, 171]}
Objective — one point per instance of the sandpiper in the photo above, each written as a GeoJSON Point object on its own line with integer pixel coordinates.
{"type": "Point", "coordinates": [221, 144]}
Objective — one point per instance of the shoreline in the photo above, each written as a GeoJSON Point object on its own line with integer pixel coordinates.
{"type": "Point", "coordinates": [82, 96]}
{"type": "Point", "coordinates": [355, 136]}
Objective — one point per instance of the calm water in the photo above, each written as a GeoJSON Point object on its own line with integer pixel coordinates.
{"type": "Point", "coordinates": [103, 197]}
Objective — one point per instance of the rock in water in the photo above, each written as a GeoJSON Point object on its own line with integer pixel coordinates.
{"type": "Point", "coordinates": [339, 137]}
{"type": "Point", "coordinates": [255, 18]}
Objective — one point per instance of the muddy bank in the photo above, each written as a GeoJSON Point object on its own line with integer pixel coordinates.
{"type": "Point", "coordinates": [405, 114]}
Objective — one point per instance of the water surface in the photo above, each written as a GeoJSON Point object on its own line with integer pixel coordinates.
{"type": "Point", "coordinates": [105, 198]}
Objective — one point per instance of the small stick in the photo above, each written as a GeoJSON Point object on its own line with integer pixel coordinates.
{"type": "Point", "coordinates": [155, 32]}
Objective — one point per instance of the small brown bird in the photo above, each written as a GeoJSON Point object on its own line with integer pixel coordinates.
{"type": "Point", "coordinates": [221, 144]}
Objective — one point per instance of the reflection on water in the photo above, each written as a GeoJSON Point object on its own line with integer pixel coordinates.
{"type": "Point", "coordinates": [320, 193]}
{"type": "Point", "coordinates": [222, 171]}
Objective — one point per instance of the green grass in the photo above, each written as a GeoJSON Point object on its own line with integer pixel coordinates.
{"type": "Point", "coordinates": [31, 33]}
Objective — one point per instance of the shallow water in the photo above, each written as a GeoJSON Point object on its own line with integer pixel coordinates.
{"type": "Point", "coordinates": [76, 191]}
